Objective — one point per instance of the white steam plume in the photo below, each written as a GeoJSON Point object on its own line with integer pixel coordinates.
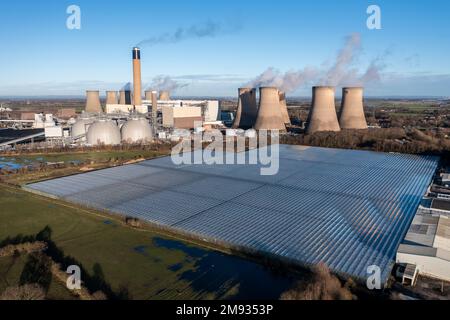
{"type": "Point", "coordinates": [341, 73]}
{"type": "Point", "coordinates": [166, 83]}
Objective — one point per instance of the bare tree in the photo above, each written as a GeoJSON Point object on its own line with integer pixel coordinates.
{"type": "Point", "coordinates": [323, 286]}
{"type": "Point", "coordinates": [25, 292]}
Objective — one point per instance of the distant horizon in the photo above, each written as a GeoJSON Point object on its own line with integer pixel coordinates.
{"type": "Point", "coordinates": [80, 97]}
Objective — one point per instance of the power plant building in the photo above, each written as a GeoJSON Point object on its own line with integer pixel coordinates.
{"type": "Point", "coordinates": [349, 209]}
{"type": "Point", "coordinates": [181, 117]}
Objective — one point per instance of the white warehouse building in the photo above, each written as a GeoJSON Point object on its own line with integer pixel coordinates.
{"type": "Point", "coordinates": [427, 246]}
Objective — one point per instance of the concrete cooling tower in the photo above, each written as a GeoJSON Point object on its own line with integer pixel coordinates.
{"type": "Point", "coordinates": [352, 111]}
{"type": "Point", "coordinates": [137, 81]}
{"type": "Point", "coordinates": [148, 95]}
{"type": "Point", "coordinates": [164, 96]}
{"type": "Point", "coordinates": [322, 116]}
{"type": "Point", "coordinates": [284, 110]}
{"type": "Point", "coordinates": [111, 97]}
{"type": "Point", "coordinates": [247, 110]}
{"type": "Point", "coordinates": [136, 130]}
{"type": "Point", "coordinates": [269, 112]}
{"type": "Point", "coordinates": [93, 104]}
{"type": "Point", "coordinates": [125, 97]}
{"type": "Point", "coordinates": [103, 132]}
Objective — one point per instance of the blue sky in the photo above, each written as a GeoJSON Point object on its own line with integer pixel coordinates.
{"type": "Point", "coordinates": [39, 55]}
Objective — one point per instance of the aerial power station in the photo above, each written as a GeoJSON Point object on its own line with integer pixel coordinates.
{"type": "Point", "coordinates": [127, 116]}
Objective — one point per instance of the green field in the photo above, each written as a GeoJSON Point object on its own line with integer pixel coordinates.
{"type": "Point", "coordinates": [82, 156]}
{"type": "Point", "coordinates": [149, 265]}
{"type": "Point", "coordinates": [11, 269]}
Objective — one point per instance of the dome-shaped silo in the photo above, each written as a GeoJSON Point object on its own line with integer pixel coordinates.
{"type": "Point", "coordinates": [269, 112]}
{"type": "Point", "coordinates": [81, 126]}
{"type": "Point", "coordinates": [247, 109]}
{"type": "Point", "coordinates": [284, 110]}
{"type": "Point", "coordinates": [93, 104]}
{"type": "Point", "coordinates": [322, 116]}
{"type": "Point", "coordinates": [164, 96]}
{"type": "Point", "coordinates": [103, 132]}
{"type": "Point", "coordinates": [111, 97]}
{"type": "Point", "coordinates": [136, 130]}
{"type": "Point", "coordinates": [352, 111]}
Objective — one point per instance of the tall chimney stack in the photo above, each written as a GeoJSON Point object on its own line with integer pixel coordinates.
{"type": "Point", "coordinates": [137, 80]}
{"type": "Point", "coordinates": [322, 116]}
{"type": "Point", "coordinates": [111, 97]}
{"type": "Point", "coordinates": [154, 98]}
{"type": "Point", "coordinates": [164, 96]}
{"type": "Point", "coordinates": [284, 110]}
{"type": "Point", "coordinates": [352, 111]}
{"type": "Point", "coordinates": [247, 109]}
{"type": "Point", "coordinates": [93, 104]}
{"type": "Point", "coordinates": [269, 112]}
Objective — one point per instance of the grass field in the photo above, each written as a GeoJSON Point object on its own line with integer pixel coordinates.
{"type": "Point", "coordinates": [82, 156]}
{"type": "Point", "coordinates": [150, 265]}
{"type": "Point", "coordinates": [83, 161]}
{"type": "Point", "coordinates": [11, 269]}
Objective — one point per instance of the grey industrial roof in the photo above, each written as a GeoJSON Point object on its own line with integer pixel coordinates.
{"type": "Point", "coordinates": [441, 204]}
{"type": "Point", "coordinates": [349, 209]}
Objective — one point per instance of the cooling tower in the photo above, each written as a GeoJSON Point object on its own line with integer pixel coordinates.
{"type": "Point", "coordinates": [322, 116]}
{"type": "Point", "coordinates": [137, 81]}
{"type": "Point", "coordinates": [269, 113]}
{"type": "Point", "coordinates": [284, 110]}
{"type": "Point", "coordinates": [148, 95]}
{"type": "Point", "coordinates": [125, 97]}
{"type": "Point", "coordinates": [352, 111]}
{"type": "Point", "coordinates": [164, 96]}
{"type": "Point", "coordinates": [111, 97]}
{"type": "Point", "coordinates": [247, 109]}
{"type": "Point", "coordinates": [93, 104]}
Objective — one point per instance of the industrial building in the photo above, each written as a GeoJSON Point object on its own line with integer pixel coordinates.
{"type": "Point", "coordinates": [426, 248]}
{"type": "Point", "coordinates": [349, 209]}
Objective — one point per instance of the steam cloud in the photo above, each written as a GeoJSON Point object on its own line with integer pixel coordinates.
{"type": "Point", "coordinates": [208, 29]}
{"type": "Point", "coordinates": [342, 72]}
{"type": "Point", "coordinates": [166, 83]}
